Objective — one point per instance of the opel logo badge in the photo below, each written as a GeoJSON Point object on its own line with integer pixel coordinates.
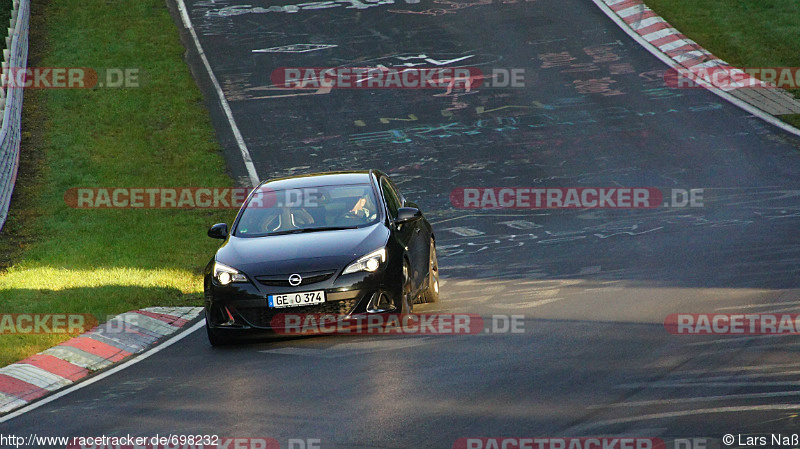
{"type": "Point", "coordinates": [295, 280]}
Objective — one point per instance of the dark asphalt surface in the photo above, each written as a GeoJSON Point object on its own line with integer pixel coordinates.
{"type": "Point", "coordinates": [594, 286]}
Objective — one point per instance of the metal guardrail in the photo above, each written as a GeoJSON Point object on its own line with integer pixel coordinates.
{"type": "Point", "coordinates": [15, 56]}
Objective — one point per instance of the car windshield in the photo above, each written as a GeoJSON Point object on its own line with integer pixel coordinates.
{"type": "Point", "coordinates": [308, 209]}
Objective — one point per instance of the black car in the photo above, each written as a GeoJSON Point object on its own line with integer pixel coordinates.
{"type": "Point", "coordinates": [339, 242]}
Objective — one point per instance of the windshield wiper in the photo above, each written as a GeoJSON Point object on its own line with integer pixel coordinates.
{"type": "Point", "coordinates": [304, 230]}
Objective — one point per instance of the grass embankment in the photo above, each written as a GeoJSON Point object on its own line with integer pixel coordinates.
{"type": "Point", "coordinates": [58, 259]}
{"type": "Point", "coordinates": [744, 33]}
{"type": "Point", "coordinates": [5, 11]}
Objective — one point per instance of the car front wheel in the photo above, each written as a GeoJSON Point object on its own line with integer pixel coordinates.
{"type": "Point", "coordinates": [431, 293]}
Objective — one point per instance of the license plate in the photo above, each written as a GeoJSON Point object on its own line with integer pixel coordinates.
{"type": "Point", "coordinates": [296, 299]}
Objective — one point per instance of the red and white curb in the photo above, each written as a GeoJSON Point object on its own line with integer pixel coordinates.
{"type": "Point", "coordinates": [120, 337]}
{"type": "Point", "coordinates": [684, 51]}
{"type": "Point", "coordinates": [669, 45]}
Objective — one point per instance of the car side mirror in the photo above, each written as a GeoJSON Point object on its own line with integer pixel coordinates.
{"type": "Point", "coordinates": [406, 214]}
{"type": "Point", "coordinates": [219, 231]}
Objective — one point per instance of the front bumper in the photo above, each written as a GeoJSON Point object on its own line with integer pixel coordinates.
{"type": "Point", "coordinates": [244, 307]}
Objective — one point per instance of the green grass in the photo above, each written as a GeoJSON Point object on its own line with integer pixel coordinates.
{"type": "Point", "coordinates": [59, 259]}
{"type": "Point", "coordinates": [5, 10]}
{"type": "Point", "coordinates": [745, 33]}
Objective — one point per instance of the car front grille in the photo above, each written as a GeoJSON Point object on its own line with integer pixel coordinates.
{"type": "Point", "coordinates": [262, 316]}
{"type": "Point", "coordinates": [282, 280]}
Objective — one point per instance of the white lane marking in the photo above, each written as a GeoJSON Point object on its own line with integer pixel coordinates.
{"type": "Point", "coordinates": [248, 160]}
{"type": "Point", "coordinates": [668, 61]}
{"type": "Point", "coordinates": [184, 15]}
{"type": "Point", "coordinates": [105, 374]}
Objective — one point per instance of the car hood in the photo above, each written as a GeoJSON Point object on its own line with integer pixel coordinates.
{"type": "Point", "coordinates": [297, 253]}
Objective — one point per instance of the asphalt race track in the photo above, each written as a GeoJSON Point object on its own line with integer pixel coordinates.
{"type": "Point", "coordinates": [594, 286]}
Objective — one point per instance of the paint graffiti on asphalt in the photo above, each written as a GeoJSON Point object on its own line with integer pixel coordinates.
{"type": "Point", "coordinates": [547, 119]}
{"type": "Point", "coordinates": [295, 48]}
{"type": "Point", "coordinates": [451, 6]}
{"type": "Point", "coordinates": [600, 86]}
{"type": "Point", "coordinates": [238, 10]}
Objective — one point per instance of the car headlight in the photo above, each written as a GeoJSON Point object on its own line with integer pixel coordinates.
{"type": "Point", "coordinates": [225, 274]}
{"type": "Point", "coordinates": [371, 262]}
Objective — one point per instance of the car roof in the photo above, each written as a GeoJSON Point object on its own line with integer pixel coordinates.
{"type": "Point", "coordinates": [320, 179]}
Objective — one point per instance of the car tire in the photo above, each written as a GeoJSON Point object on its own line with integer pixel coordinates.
{"type": "Point", "coordinates": [216, 338]}
{"type": "Point", "coordinates": [431, 293]}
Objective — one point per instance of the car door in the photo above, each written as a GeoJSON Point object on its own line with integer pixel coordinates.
{"type": "Point", "coordinates": [411, 234]}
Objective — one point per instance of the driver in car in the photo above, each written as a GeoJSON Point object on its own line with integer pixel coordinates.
{"type": "Point", "coordinates": [359, 210]}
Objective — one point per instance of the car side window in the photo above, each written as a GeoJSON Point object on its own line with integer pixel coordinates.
{"type": "Point", "coordinates": [400, 198]}
{"type": "Point", "coordinates": [392, 199]}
